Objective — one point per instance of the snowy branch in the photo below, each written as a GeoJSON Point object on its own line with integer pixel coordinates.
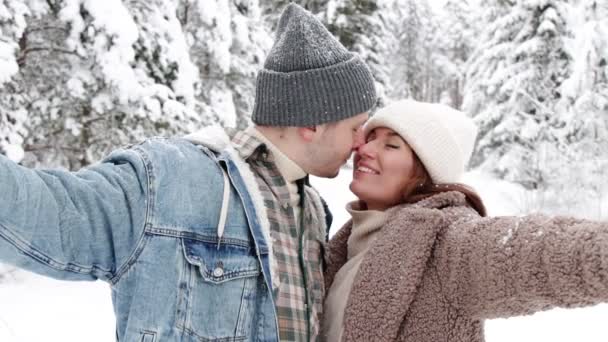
{"type": "Point", "coordinates": [24, 53]}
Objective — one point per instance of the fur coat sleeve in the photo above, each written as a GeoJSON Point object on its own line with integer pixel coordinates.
{"type": "Point", "coordinates": [506, 266]}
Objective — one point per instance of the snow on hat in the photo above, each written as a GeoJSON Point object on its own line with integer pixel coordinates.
{"type": "Point", "coordinates": [442, 137]}
{"type": "Point", "coordinates": [309, 78]}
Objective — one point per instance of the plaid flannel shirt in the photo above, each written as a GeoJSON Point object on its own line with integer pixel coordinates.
{"type": "Point", "coordinates": [297, 243]}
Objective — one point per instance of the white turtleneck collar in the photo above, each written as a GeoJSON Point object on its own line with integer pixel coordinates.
{"type": "Point", "coordinates": [366, 223]}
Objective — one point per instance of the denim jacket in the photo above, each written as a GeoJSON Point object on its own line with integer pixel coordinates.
{"type": "Point", "coordinates": [186, 260]}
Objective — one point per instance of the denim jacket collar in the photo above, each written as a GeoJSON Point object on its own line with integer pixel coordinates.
{"type": "Point", "coordinates": [216, 139]}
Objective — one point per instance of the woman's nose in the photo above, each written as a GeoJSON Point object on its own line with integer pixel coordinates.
{"type": "Point", "coordinates": [366, 149]}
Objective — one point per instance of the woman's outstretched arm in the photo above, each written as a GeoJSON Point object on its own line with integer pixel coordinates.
{"type": "Point", "coordinates": [507, 266]}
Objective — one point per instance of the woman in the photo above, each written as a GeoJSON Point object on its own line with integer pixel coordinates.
{"type": "Point", "coordinates": [420, 262]}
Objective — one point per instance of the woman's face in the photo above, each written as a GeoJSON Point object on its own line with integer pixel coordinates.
{"type": "Point", "coordinates": [383, 167]}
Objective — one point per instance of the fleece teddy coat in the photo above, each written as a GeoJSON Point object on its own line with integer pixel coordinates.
{"type": "Point", "coordinates": [438, 269]}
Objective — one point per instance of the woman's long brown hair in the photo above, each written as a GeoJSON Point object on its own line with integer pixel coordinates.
{"type": "Point", "coordinates": [421, 186]}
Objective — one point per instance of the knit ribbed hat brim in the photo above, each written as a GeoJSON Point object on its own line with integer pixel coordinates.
{"type": "Point", "coordinates": [314, 97]}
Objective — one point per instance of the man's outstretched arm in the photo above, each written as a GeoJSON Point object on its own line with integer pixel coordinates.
{"type": "Point", "coordinates": [81, 225]}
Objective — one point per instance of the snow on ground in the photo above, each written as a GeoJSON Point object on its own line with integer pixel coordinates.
{"type": "Point", "coordinates": [33, 308]}
{"type": "Point", "coordinates": [37, 309]}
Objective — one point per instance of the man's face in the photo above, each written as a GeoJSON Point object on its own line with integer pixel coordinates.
{"type": "Point", "coordinates": [335, 145]}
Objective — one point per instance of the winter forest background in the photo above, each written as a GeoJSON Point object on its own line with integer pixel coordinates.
{"type": "Point", "coordinates": [79, 78]}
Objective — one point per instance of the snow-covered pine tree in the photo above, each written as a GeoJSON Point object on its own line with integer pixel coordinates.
{"type": "Point", "coordinates": [455, 42]}
{"type": "Point", "coordinates": [228, 43]}
{"type": "Point", "coordinates": [586, 89]}
{"type": "Point", "coordinates": [431, 79]}
{"type": "Point", "coordinates": [407, 64]}
{"type": "Point", "coordinates": [512, 88]}
{"type": "Point", "coordinates": [585, 100]}
{"type": "Point", "coordinates": [93, 75]}
{"type": "Point", "coordinates": [361, 26]}
{"type": "Point", "coordinates": [87, 76]}
{"type": "Point", "coordinates": [13, 113]}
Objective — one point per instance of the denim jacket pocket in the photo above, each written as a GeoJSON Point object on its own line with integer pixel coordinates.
{"type": "Point", "coordinates": [219, 264]}
{"type": "Point", "coordinates": [148, 336]}
{"type": "Point", "coordinates": [218, 290]}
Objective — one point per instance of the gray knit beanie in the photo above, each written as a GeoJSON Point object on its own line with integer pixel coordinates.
{"type": "Point", "coordinates": [309, 78]}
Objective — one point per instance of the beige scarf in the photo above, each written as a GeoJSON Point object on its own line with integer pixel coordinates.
{"type": "Point", "coordinates": [288, 169]}
{"type": "Point", "coordinates": [366, 225]}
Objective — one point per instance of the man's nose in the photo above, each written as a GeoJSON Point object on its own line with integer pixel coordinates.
{"type": "Point", "coordinates": [359, 139]}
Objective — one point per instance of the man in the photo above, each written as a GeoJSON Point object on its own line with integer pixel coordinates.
{"type": "Point", "coordinates": [216, 236]}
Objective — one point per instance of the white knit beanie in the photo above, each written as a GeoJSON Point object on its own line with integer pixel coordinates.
{"type": "Point", "coordinates": [441, 136]}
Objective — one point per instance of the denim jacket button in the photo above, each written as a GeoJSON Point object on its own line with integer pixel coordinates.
{"type": "Point", "coordinates": [218, 272]}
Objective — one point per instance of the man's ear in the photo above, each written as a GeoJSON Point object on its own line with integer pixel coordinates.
{"type": "Point", "coordinates": [308, 133]}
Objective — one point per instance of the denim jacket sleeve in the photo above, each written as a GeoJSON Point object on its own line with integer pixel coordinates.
{"type": "Point", "coordinates": [81, 225]}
